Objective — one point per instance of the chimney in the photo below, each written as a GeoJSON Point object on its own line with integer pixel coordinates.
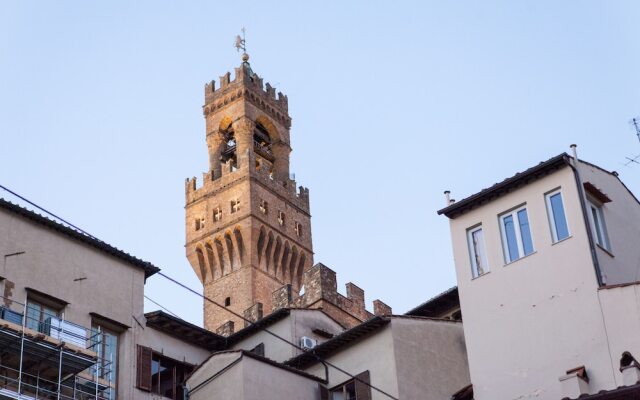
{"type": "Point", "coordinates": [447, 197]}
{"type": "Point", "coordinates": [574, 151]}
{"type": "Point", "coordinates": [630, 369]}
{"type": "Point", "coordinates": [575, 383]}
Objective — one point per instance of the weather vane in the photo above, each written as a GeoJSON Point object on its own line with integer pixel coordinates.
{"type": "Point", "coordinates": [241, 45]}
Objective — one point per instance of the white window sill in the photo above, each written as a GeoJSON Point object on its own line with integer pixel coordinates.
{"type": "Point", "coordinates": [521, 258]}
{"type": "Point", "coordinates": [560, 241]}
{"type": "Point", "coordinates": [480, 276]}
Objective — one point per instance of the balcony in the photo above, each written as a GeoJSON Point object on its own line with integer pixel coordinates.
{"type": "Point", "coordinates": [49, 359]}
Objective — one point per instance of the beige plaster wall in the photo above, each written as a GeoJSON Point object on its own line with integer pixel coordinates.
{"type": "Point", "coordinates": [297, 324]}
{"type": "Point", "coordinates": [431, 358]}
{"type": "Point", "coordinates": [621, 313]}
{"type": "Point", "coordinates": [90, 281]}
{"type": "Point", "coordinates": [519, 340]}
{"type": "Point", "coordinates": [374, 353]}
{"type": "Point", "coordinates": [228, 385]}
{"type": "Point", "coordinates": [622, 263]}
{"type": "Point", "coordinates": [249, 379]}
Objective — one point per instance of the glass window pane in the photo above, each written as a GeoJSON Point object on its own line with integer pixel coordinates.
{"type": "Point", "coordinates": [479, 255]}
{"type": "Point", "coordinates": [525, 232]}
{"type": "Point", "coordinates": [597, 225]}
{"type": "Point", "coordinates": [559, 218]}
{"type": "Point", "coordinates": [33, 316]}
{"type": "Point", "coordinates": [510, 234]}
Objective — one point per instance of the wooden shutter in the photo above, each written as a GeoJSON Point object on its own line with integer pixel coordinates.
{"type": "Point", "coordinates": [324, 392]}
{"type": "Point", "coordinates": [143, 368]}
{"type": "Point", "coordinates": [363, 391]}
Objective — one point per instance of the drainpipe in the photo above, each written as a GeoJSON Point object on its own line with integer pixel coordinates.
{"type": "Point", "coordinates": [583, 205]}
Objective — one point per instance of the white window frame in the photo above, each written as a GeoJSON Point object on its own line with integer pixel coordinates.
{"type": "Point", "coordinates": [597, 207]}
{"type": "Point", "coordinates": [516, 226]}
{"type": "Point", "coordinates": [552, 217]}
{"type": "Point", "coordinates": [472, 254]}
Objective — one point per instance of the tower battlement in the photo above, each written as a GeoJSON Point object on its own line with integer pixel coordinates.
{"type": "Point", "coordinates": [249, 86]}
{"type": "Point", "coordinates": [248, 225]}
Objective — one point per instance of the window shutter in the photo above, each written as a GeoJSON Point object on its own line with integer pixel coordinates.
{"type": "Point", "coordinates": [324, 392]}
{"type": "Point", "coordinates": [143, 368]}
{"type": "Point", "coordinates": [363, 391]}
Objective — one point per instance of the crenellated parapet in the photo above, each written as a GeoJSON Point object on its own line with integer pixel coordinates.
{"type": "Point", "coordinates": [229, 175]}
{"type": "Point", "coordinates": [321, 291]}
{"type": "Point", "coordinates": [248, 86]}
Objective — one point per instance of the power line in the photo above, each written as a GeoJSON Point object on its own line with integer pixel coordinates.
{"type": "Point", "coordinates": [251, 323]}
{"type": "Point", "coordinates": [274, 334]}
{"type": "Point", "coordinates": [50, 213]}
{"type": "Point", "coordinates": [161, 306]}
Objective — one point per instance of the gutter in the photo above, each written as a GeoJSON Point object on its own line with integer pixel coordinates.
{"type": "Point", "coordinates": [573, 163]}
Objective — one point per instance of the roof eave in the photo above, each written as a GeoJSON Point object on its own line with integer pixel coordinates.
{"type": "Point", "coordinates": [509, 184]}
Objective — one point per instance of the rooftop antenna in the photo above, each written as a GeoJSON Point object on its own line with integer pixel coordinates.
{"type": "Point", "coordinates": [636, 125]}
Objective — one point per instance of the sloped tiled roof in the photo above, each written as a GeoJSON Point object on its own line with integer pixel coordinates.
{"type": "Point", "coordinates": [149, 269]}
{"type": "Point", "coordinates": [501, 188]}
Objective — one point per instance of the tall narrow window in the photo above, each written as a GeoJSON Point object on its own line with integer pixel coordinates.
{"type": "Point", "coordinates": [105, 343]}
{"type": "Point", "coordinates": [557, 217]}
{"type": "Point", "coordinates": [516, 234]}
{"type": "Point", "coordinates": [598, 226]}
{"type": "Point", "coordinates": [281, 218]}
{"type": "Point", "coordinates": [475, 237]}
{"type": "Point", "coordinates": [39, 316]}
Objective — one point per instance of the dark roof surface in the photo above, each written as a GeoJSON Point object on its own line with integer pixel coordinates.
{"type": "Point", "coordinates": [149, 269]}
{"type": "Point", "coordinates": [621, 393]}
{"type": "Point", "coordinates": [185, 331]}
{"type": "Point", "coordinates": [334, 345]}
{"type": "Point", "coordinates": [249, 354]}
{"type": "Point", "coordinates": [258, 325]}
{"type": "Point", "coordinates": [506, 186]}
{"type": "Point", "coordinates": [435, 306]}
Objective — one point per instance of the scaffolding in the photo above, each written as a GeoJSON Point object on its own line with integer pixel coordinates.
{"type": "Point", "coordinates": [51, 358]}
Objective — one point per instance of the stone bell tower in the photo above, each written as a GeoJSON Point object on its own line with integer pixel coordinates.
{"type": "Point", "coordinates": [248, 227]}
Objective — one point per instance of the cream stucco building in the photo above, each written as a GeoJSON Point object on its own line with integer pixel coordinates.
{"type": "Point", "coordinates": [548, 263]}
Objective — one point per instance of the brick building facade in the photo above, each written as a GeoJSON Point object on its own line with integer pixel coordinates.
{"type": "Point", "coordinates": [248, 225]}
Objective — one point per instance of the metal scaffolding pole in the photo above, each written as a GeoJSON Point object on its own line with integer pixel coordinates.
{"type": "Point", "coordinates": [98, 361]}
{"type": "Point", "coordinates": [24, 322]}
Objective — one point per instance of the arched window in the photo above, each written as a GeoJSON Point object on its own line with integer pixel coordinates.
{"type": "Point", "coordinates": [229, 151]}
{"type": "Point", "coordinates": [262, 144]}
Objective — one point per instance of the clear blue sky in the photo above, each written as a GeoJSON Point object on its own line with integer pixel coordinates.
{"type": "Point", "coordinates": [392, 103]}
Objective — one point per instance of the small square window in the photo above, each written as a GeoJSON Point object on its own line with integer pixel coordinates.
{"type": "Point", "coordinates": [281, 218]}
{"type": "Point", "coordinates": [557, 216]}
{"type": "Point", "coordinates": [264, 207]}
{"type": "Point", "coordinates": [516, 234]}
{"type": "Point", "coordinates": [477, 251]}
{"type": "Point", "coordinates": [235, 206]}
{"type": "Point", "coordinates": [217, 214]}
{"type": "Point", "coordinates": [199, 223]}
